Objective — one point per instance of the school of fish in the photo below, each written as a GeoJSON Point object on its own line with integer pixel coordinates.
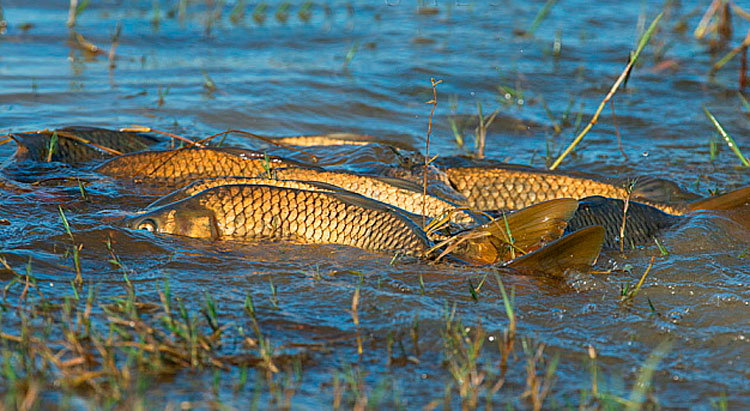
{"type": "Point", "coordinates": [524, 218]}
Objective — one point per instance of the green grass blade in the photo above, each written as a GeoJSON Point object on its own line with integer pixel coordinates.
{"type": "Point", "coordinates": [730, 141]}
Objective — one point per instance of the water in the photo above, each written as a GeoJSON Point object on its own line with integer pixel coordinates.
{"type": "Point", "coordinates": [294, 77]}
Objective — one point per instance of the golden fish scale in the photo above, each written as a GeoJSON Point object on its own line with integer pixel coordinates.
{"type": "Point", "coordinates": [186, 164]}
{"type": "Point", "coordinates": [371, 187]}
{"type": "Point", "coordinates": [498, 189]}
{"type": "Point", "coordinates": [257, 212]}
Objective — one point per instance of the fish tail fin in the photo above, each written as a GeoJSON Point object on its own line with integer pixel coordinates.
{"type": "Point", "coordinates": [519, 232]}
{"type": "Point", "coordinates": [578, 250]}
{"type": "Point", "coordinates": [729, 201]}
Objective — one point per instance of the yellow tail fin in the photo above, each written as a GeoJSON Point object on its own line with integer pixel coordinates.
{"type": "Point", "coordinates": [578, 250]}
{"type": "Point", "coordinates": [517, 233]}
{"type": "Point", "coordinates": [731, 200]}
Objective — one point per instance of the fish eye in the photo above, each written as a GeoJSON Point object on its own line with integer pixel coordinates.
{"type": "Point", "coordinates": [147, 224]}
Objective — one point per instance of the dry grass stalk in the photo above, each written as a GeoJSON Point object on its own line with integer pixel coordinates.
{"type": "Point", "coordinates": [427, 160]}
{"type": "Point", "coordinates": [630, 188]}
{"type": "Point", "coordinates": [115, 42]}
{"type": "Point", "coordinates": [730, 55]}
{"type": "Point", "coordinates": [72, 13]}
{"type": "Point", "coordinates": [76, 138]}
{"type": "Point", "coordinates": [481, 130]}
{"type": "Point", "coordinates": [143, 129]}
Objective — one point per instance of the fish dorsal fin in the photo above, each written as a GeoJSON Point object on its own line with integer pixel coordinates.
{"type": "Point", "coordinates": [576, 251]}
{"type": "Point", "coordinates": [660, 190]}
{"type": "Point", "coordinates": [259, 155]}
{"type": "Point", "coordinates": [365, 202]}
{"type": "Point", "coordinates": [595, 200]}
{"type": "Point", "coordinates": [731, 200]}
{"type": "Point", "coordinates": [28, 139]}
{"type": "Point", "coordinates": [321, 185]}
{"type": "Point", "coordinates": [400, 183]}
{"type": "Point", "coordinates": [534, 225]}
{"type": "Point", "coordinates": [239, 152]}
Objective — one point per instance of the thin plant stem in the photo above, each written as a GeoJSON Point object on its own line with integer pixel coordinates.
{"type": "Point", "coordinates": [730, 141]}
{"type": "Point", "coordinates": [611, 93]}
{"type": "Point", "coordinates": [434, 84]}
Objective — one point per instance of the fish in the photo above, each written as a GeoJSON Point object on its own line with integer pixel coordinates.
{"type": "Point", "coordinates": [643, 223]}
{"type": "Point", "coordinates": [262, 212]}
{"type": "Point", "coordinates": [510, 187]}
{"type": "Point", "coordinates": [182, 166]}
{"type": "Point", "coordinates": [397, 192]}
{"type": "Point", "coordinates": [78, 144]}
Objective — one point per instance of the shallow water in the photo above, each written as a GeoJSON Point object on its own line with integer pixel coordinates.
{"type": "Point", "coordinates": [289, 78]}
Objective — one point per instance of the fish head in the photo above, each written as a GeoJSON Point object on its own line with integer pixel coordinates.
{"type": "Point", "coordinates": [187, 218]}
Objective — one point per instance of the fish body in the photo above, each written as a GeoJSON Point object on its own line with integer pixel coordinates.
{"type": "Point", "coordinates": [511, 187]}
{"type": "Point", "coordinates": [261, 212]}
{"type": "Point", "coordinates": [642, 222]}
{"type": "Point", "coordinates": [78, 144]}
{"type": "Point", "coordinates": [396, 192]}
{"type": "Point", "coordinates": [256, 212]}
{"type": "Point", "coordinates": [182, 166]}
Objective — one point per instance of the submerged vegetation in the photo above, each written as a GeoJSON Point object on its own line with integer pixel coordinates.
{"type": "Point", "coordinates": [108, 348]}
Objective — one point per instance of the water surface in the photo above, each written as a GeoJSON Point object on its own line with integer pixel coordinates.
{"type": "Point", "coordinates": [365, 67]}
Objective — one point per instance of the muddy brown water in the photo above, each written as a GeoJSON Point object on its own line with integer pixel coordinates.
{"type": "Point", "coordinates": [293, 77]}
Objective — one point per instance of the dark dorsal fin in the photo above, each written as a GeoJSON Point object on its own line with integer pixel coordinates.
{"type": "Point", "coordinates": [661, 191]}
{"type": "Point", "coordinates": [259, 155]}
{"type": "Point", "coordinates": [400, 183]}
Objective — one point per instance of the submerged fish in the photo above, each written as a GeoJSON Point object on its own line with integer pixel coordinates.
{"type": "Point", "coordinates": [510, 187]}
{"type": "Point", "coordinates": [258, 212]}
{"type": "Point", "coordinates": [182, 166]}
{"type": "Point", "coordinates": [394, 191]}
{"type": "Point", "coordinates": [78, 144]}
{"type": "Point", "coordinates": [642, 222]}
